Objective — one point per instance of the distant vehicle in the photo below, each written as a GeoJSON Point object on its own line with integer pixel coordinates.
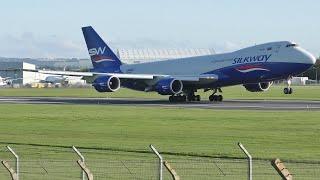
{"type": "Point", "coordinates": [62, 80]}
{"type": "Point", "coordinates": [56, 80]}
{"type": "Point", "coordinates": [254, 67]}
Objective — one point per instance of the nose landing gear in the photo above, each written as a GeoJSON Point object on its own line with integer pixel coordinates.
{"type": "Point", "coordinates": [288, 89]}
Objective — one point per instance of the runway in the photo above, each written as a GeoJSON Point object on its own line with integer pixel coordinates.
{"type": "Point", "coordinates": [227, 104]}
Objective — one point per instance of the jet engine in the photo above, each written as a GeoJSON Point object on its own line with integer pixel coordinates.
{"type": "Point", "coordinates": [258, 87]}
{"type": "Point", "coordinates": [169, 86]}
{"type": "Point", "coordinates": [106, 83]}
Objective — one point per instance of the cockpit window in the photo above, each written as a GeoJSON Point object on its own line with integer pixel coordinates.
{"type": "Point", "coordinates": [291, 45]}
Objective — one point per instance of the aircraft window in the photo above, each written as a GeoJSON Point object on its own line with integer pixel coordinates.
{"type": "Point", "coordinates": [291, 45]}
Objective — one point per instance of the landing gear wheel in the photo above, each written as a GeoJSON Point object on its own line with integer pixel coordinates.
{"type": "Point", "coordinates": [183, 98]}
{"type": "Point", "coordinates": [177, 98]}
{"type": "Point", "coordinates": [190, 98]}
{"type": "Point", "coordinates": [211, 97]}
{"type": "Point", "coordinates": [171, 99]}
{"type": "Point", "coordinates": [288, 90]}
{"type": "Point", "coordinates": [216, 98]}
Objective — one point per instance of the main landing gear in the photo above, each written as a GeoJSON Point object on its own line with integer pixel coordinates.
{"type": "Point", "coordinates": [288, 89]}
{"type": "Point", "coordinates": [178, 98]}
{"type": "Point", "coordinates": [190, 96]}
{"type": "Point", "coordinates": [214, 97]}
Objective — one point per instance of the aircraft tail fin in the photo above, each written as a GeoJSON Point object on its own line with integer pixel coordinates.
{"type": "Point", "coordinates": [102, 57]}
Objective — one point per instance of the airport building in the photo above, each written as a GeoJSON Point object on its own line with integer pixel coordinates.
{"type": "Point", "coordinates": [13, 70]}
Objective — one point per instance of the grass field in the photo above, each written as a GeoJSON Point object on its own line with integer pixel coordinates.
{"type": "Point", "coordinates": [187, 137]}
{"type": "Point", "coordinates": [234, 92]}
{"type": "Point", "coordinates": [128, 130]}
{"type": "Point", "coordinates": [183, 131]}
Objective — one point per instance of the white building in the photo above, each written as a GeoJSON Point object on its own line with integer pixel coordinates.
{"type": "Point", "coordinates": [14, 72]}
{"type": "Point", "coordinates": [299, 80]}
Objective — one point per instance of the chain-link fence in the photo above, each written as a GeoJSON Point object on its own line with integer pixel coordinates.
{"type": "Point", "coordinates": [59, 163]}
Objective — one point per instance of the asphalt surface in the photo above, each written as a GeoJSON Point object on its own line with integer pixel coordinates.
{"type": "Point", "coordinates": [227, 104]}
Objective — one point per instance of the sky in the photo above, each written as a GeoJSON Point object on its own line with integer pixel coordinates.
{"type": "Point", "coordinates": [52, 28]}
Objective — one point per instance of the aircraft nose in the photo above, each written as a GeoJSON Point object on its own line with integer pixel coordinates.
{"type": "Point", "coordinates": [307, 57]}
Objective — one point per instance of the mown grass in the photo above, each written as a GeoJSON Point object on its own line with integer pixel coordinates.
{"type": "Point", "coordinates": [234, 92]}
{"type": "Point", "coordinates": [115, 139]}
{"type": "Point", "coordinates": [289, 135]}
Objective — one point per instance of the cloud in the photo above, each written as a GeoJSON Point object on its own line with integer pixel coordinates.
{"type": "Point", "coordinates": [32, 46]}
{"type": "Point", "coordinates": [29, 45]}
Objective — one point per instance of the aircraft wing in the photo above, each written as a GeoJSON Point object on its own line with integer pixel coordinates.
{"type": "Point", "coordinates": [92, 74]}
{"type": "Point", "coordinates": [194, 78]}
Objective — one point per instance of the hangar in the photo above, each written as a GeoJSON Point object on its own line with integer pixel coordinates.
{"type": "Point", "coordinates": [13, 70]}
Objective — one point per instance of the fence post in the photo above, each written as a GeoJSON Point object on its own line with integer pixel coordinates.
{"type": "Point", "coordinates": [13, 174]}
{"type": "Point", "coordinates": [171, 171]}
{"type": "Point", "coordinates": [17, 160]}
{"type": "Point", "coordinates": [85, 169]}
{"type": "Point", "coordinates": [160, 160]}
{"type": "Point", "coordinates": [249, 158]}
{"type": "Point", "coordinates": [82, 160]}
{"type": "Point", "coordinates": [281, 169]}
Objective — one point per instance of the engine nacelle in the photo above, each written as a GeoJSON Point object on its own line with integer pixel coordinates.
{"type": "Point", "coordinates": [169, 86]}
{"type": "Point", "coordinates": [259, 87]}
{"type": "Point", "coordinates": [106, 83]}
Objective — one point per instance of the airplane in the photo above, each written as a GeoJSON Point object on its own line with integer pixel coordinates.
{"type": "Point", "coordinates": [253, 67]}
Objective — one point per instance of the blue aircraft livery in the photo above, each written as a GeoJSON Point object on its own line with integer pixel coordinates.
{"type": "Point", "coordinates": [180, 78]}
{"type": "Point", "coordinates": [249, 59]}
